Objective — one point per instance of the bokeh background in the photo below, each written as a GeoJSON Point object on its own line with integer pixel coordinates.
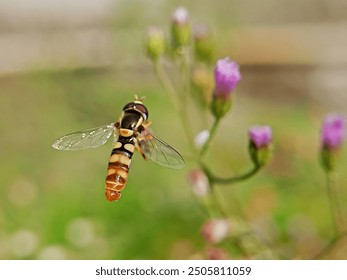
{"type": "Point", "coordinates": [69, 65]}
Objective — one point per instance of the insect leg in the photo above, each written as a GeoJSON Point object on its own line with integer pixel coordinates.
{"type": "Point", "coordinates": [146, 124]}
{"type": "Point", "coordinates": [138, 148]}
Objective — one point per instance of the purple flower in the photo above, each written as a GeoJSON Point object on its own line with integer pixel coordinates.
{"type": "Point", "coordinates": [227, 75]}
{"type": "Point", "coordinates": [260, 136]}
{"type": "Point", "coordinates": [333, 131]}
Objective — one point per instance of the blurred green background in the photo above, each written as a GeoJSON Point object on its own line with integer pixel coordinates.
{"type": "Point", "coordinates": [71, 65]}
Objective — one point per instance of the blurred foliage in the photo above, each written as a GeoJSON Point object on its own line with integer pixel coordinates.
{"type": "Point", "coordinates": [52, 203]}
{"type": "Point", "coordinates": [44, 191]}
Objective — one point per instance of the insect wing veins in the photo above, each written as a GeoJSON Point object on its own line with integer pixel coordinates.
{"type": "Point", "coordinates": [85, 139]}
{"type": "Point", "coordinates": [159, 151]}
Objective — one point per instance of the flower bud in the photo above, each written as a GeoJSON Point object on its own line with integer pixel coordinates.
{"type": "Point", "coordinates": [216, 254]}
{"type": "Point", "coordinates": [260, 144]}
{"type": "Point", "coordinates": [332, 138]}
{"type": "Point", "coordinates": [203, 46]}
{"type": "Point", "coordinates": [180, 28]}
{"type": "Point", "coordinates": [199, 183]}
{"type": "Point", "coordinates": [202, 85]}
{"type": "Point", "coordinates": [155, 42]}
{"type": "Point", "coordinates": [214, 231]}
{"type": "Point", "coordinates": [201, 138]}
{"type": "Point", "coordinates": [227, 76]}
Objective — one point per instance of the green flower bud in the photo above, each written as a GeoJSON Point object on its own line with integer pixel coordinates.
{"type": "Point", "coordinates": [260, 147]}
{"type": "Point", "coordinates": [180, 28]}
{"type": "Point", "coordinates": [328, 159]}
{"type": "Point", "coordinates": [260, 157]}
{"type": "Point", "coordinates": [203, 46]}
{"type": "Point", "coordinates": [155, 43]}
{"type": "Point", "coordinates": [220, 106]}
{"type": "Point", "coordinates": [202, 85]}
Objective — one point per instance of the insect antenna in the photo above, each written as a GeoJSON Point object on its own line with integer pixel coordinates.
{"type": "Point", "coordinates": [136, 98]}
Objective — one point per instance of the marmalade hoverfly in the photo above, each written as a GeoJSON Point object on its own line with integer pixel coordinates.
{"type": "Point", "coordinates": [130, 132]}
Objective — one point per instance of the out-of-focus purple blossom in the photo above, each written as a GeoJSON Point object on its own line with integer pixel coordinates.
{"type": "Point", "coordinates": [199, 182]}
{"type": "Point", "coordinates": [333, 131]}
{"type": "Point", "coordinates": [214, 231]}
{"type": "Point", "coordinates": [227, 75]}
{"type": "Point", "coordinates": [260, 136]}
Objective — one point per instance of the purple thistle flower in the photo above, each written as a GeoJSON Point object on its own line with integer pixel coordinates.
{"type": "Point", "coordinates": [333, 131]}
{"type": "Point", "coordinates": [260, 136]}
{"type": "Point", "coordinates": [227, 75]}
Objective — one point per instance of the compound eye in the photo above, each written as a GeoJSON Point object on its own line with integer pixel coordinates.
{"type": "Point", "coordinates": [128, 106]}
{"type": "Point", "coordinates": [141, 108]}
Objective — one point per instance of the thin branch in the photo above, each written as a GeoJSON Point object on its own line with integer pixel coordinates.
{"type": "Point", "coordinates": [212, 133]}
{"type": "Point", "coordinates": [229, 180]}
{"type": "Point", "coordinates": [335, 203]}
{"type": "Point", "coordinates": [329, 247]}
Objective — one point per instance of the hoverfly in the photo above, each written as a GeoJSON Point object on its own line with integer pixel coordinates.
{"type": "Point", "coordinates": [130, 132]}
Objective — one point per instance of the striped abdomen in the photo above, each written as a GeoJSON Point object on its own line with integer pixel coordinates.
{"type": "Point", "coordinates": [118, 167]}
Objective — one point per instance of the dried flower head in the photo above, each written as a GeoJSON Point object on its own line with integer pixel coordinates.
{"type": "Point", "coordinates": [333, 131]}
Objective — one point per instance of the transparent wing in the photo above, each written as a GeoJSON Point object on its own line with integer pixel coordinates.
{"type": "Point", "coordinates": [159, 151]}
{"type": "Point", "coordinates": [85, 139]}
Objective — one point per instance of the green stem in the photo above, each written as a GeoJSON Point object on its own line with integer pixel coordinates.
{"type": "Point", "coordinates": [229, 180]}
{"type": "Point", "coordinates": [165, 82]}
{"type": "Point", "coordinates": [168, 86]}
{"type": "Point", "coordinates": [329, 247]}
{"type": "Point", "coordinates": [216, 202]}
{"type": "Point", "coordinates": [212, 133]}
{"type": "Point", "coordinates": [334, 200]}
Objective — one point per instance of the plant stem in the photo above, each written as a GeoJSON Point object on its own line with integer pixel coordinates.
{"type": "Point", "coordinates": [165, 82]}
{"type": "Point", "coordinates": [329, 247]}
{"type": "Point", "coordinates": [334, 200]}
{"type": "Point", "coordinates": [229, 180]}
{"type": "Point", "coordinates": [167, 85]}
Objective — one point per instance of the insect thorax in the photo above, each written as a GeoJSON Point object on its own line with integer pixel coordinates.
{"type": "Point", "coordinates": [131, 120]}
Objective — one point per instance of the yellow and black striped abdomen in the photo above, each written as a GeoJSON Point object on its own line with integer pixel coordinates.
{"type": "Point", "coordinates": [118, 167]}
